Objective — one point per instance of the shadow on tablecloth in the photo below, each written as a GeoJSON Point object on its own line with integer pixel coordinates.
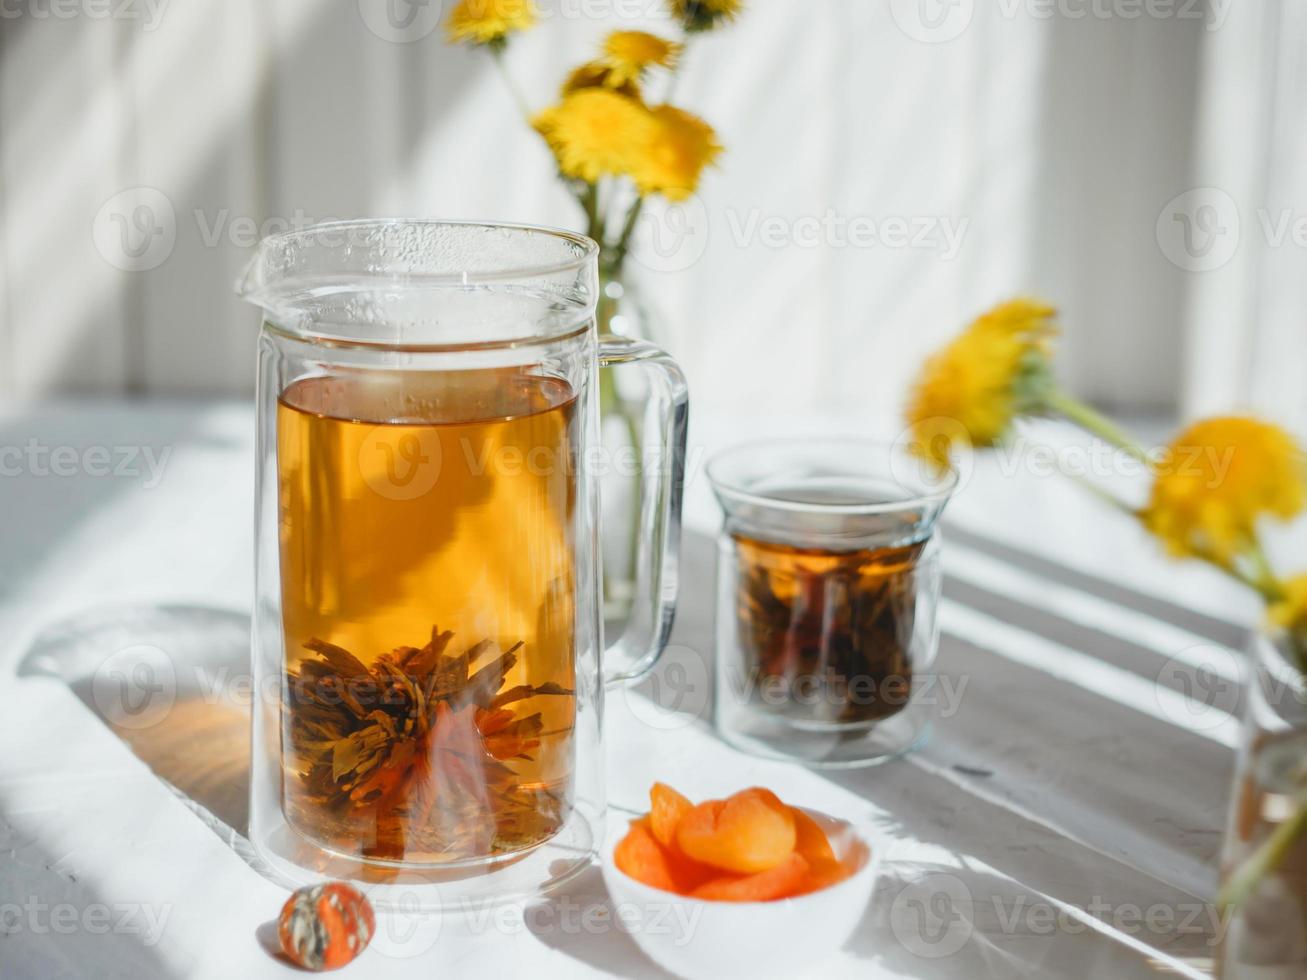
{"type": "Point", "coordinates": [172, 682]}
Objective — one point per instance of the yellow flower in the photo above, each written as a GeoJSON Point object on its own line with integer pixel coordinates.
{"type": "Point", "coordinates": [679, 147]}
{"type": "Point", "coordinates": [628, 53]}
{"type": "Point", "coordinates": [595, 132]}
{"type": "Point", "coordinates": [1291, 611]}
{"type": "Point", "coordinates": [489, 21]}
{"type": "Point", "coordinates": [704, 15]}
{"type": "Point", "coordinates": [971, 390]}
{"type": "Point", "coordinates": [1217, 479]}
{"type": "Point", "coordinates": [598, 74]}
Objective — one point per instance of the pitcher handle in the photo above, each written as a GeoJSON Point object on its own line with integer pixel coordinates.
{"type": "Point", "coordinates": [662, 486]}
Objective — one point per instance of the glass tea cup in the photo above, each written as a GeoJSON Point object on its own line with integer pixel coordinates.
{"type": "Point", "coordinates": [428, 650]}
{"type": "Point", "coordinates": [828, 585]}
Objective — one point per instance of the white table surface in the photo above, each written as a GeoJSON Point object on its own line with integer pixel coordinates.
{"type": "Point", "coordinates": [1064, 821]}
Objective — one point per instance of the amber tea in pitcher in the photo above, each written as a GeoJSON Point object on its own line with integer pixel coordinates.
{"type": "Point", "coordinates": [428, 601]}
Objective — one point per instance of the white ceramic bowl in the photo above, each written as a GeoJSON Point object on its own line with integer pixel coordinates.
{"type": "Point", "coordinates": [694, 938]}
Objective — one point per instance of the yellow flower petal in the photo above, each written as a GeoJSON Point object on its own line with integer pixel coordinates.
{"type": "Point", "coordinates": [1218, 479]}
{"type": "Point", "coordinates": [1291, 611]}
{"type": "Point", "coordinates": [599, 74]}
{"type": "Point", "coordinates": [679, 147]}
{"type": "Point", "coordinates": [967, 392]}
{"type": "Point", "coordinates": [628, 53]}
{"type": "Point", "coordinates": [489, 21]}
{"type": "Point", "coordinates": [595, 132]}
{"type": "Point", "coordinates": [704, 15]}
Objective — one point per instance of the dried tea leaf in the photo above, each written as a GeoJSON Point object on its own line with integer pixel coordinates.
{"type": "Point", "coordinates": [417, 745]}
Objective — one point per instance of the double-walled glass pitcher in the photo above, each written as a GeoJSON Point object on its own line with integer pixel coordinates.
{"type": "Point", "coordinates": [428, 649]}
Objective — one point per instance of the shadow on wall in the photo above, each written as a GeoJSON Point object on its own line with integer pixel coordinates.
{"type": "Point", "coordinates": [304, 114]}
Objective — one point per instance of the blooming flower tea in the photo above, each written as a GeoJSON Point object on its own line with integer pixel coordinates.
{"type": "Point", "coordinates": [427, 553]}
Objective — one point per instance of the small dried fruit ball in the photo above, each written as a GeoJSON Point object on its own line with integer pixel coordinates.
{"type": "Point", "coordinates": [323, 927]}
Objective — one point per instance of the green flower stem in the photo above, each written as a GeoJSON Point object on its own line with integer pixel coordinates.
{"type": "Point", "coordinates": [1268, 856]}
{"type": "Point", "coordinates": [1268, 583]}
{"type": "Point", "coordinates": [589, 199]}
{"type": "Point", "coordinates": [1092, 421]}
{"type": "Point", "coordinates": [617, 258]}
{"type": "Point", "coordinates": [1104, 495]}
{"type": "Point", "coordinates": [497, 55]}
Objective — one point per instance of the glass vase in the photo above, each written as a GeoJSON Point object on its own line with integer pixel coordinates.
{"type": "Point", "coordinates": [1266, 937]}
{"type": "Point", "coordinates": [623, 404]}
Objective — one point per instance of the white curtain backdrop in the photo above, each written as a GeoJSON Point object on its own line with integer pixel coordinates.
{"type": "Point", "coordinates": [893, 166]}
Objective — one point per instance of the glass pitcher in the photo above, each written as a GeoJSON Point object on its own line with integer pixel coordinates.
{"type": "Point", "coordinates": [428, 650]}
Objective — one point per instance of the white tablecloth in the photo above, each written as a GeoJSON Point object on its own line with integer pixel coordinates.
{"type": "Point", "coordinates": [1064, 821]}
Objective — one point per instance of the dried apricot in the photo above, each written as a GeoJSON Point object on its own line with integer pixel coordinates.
{"type": "Point", "coordinates": [746, 833]}
{"type": "Point", "coordinates": [822, 874]}
{"type": "Point", "coordinates": [809, 839]}
{"type": "Point", "coordinates": [640, 856]}
{"type": "Point", "coordinates": [781, 881]}
{"type": "Point", "coordinates": [668, 807]}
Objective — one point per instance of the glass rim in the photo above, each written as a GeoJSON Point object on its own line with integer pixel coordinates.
{"type": "Point", "coordinates": [739, 491]}
{"type": "Point", "coordinates": [589, 248]}
{"type": "Point", "coordinates": [293, 271]}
